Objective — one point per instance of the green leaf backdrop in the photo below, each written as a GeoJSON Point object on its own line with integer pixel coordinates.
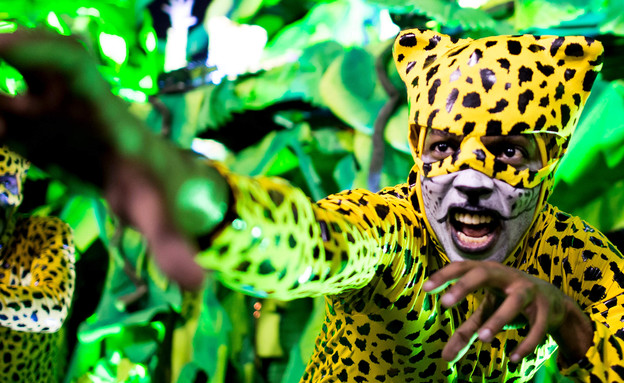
{"type": "Point", "coordinates": [309, 117]}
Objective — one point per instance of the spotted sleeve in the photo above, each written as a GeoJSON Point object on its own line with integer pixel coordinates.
{"type": "Point", "coordinates": [281, 244]}
{"type": "Point", "coordinates": [589, 269]}
{"type": "Point", "coordinates": [38, 278]}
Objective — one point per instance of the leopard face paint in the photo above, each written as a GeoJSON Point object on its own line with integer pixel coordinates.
{"type": "Point", "coordinates": [473, 215]}
{"type": "Point", "coordinates": [516, 87]}
{"type": "Point", "coordinates": [476, 217]}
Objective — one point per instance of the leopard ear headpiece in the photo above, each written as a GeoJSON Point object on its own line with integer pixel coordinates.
{"type": "Point", "coordinates": [499, 85]}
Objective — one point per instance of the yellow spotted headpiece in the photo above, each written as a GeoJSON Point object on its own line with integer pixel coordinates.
{"type": "Point", "coordinates": [499, 85]}
{"type": "Point", "coordinates": [12, 164]}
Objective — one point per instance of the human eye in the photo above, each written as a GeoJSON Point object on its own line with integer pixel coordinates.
{"type": "Point", "coordinates": [439, 144]}
{"type": "Point", "coordinates": [513, 152]}
{"type": "Point", "coordinates": [509, 152]}
{"type": "Point", "coordinates": [441, 149]}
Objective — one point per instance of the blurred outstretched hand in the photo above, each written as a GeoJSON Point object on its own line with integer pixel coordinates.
{"type": "Point", "coordinates": [68, 122]}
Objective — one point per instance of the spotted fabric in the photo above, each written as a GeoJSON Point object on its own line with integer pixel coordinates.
{"type": "Point", "coordinates": [12, 164]}
{"type": "Point", "coordinates": [36, 286]}
{"type": "Point", "coordinates": [492, 86]}
{"type": "Point", "coordinates": [369, 254]}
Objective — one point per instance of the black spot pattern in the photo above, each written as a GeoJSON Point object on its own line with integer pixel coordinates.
{"type": "Point", "coordinates": [471, 100]}
{"type": "Point", "coordinates": [468, 128]}
{"type": "Point", "coordinates": [433, 42]}
{"type": "Point", "coordinates": [494, 128]}
{"type": "Point", "coordinates": [433, 90]}
{"type": "Point", "coordinates": [514, 47]}
{"type": "Point", "coordinates": [450, 101]}
{"type": "Point", "coordinates": [408, 40]}
{"type": "Point", "coordinates": [499, 107]}
{"type": "Point", "coordinates": [574, 50]}
{"type": "Point", "coordinates": [569, 74]}
{"type": "Point", "coordinates": [546, 70]}
{"type": "Point", "coordinates": [488, 79]}
{"type": "Point", "coordinates": [588, 80]}
{"type": "Point", "coordinates": [556, 44]}
{"type": "Point", "coordinates": [525, 75]}
{"type": "Point", "coordinates": [524, 99]}
{"type": "Point", "coordinates": [504, 63]}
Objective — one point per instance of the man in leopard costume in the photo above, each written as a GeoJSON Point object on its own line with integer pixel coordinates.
{"type": "Point", "coordinates": [36, 282]}
{"type": "Point", "coordinates": [489, 122]}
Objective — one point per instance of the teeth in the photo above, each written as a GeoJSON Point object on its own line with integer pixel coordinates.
{"type": "Point", "coordinates": [472, 219]}
{"type": "Point", "coordinates": [474, 241]}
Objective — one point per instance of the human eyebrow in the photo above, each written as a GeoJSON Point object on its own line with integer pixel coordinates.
{"type": "Point", "coordinates": [443, 134]}
{"type": "Point", "coordinates": [513, 138]}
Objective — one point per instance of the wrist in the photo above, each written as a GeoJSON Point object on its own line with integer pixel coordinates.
{"type": "Point", "coordinates": [201, 201]}
{"type": "Point", "coordinates": [574, 335]}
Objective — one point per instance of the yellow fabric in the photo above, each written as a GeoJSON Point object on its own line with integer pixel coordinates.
{"type": "Point", "coordinates": [368, 253]}
{"type": "Point", "coordinates": [36, 285]}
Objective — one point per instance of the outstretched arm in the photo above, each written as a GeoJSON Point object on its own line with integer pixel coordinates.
{"type": "Point", "coordinates": [69, 119]}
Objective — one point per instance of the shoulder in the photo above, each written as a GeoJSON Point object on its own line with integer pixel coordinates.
{"type": "Point", "coordinates": [569, 233]}
{"type": "Point", "coordinates": [578, 258]}
{"type": "Point", "coordinates": [390, 195]}
{"type": "Point", "coordinates": [383, 205]}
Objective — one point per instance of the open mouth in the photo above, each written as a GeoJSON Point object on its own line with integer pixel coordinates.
{"type": "Point", "coordinates": [474, 231]}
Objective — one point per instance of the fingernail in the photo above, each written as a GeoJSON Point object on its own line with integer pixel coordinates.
{"type": "Point", "coordinates": [447, 300]}
{"type": "Point", "coordinates": [515, 358]}
{"type": "Point", "coordinates": [485, 335]}
{"type": "Point", "coordinates": [428, 286]}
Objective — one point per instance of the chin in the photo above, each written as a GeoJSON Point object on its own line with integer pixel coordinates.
{"type": "Point", "coordinates": [455, 255]}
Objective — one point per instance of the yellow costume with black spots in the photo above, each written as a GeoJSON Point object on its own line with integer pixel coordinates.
{"type": "Point", "coordinates": [370, 253]}
{"type": "Point", "coordinates": [36, 283]}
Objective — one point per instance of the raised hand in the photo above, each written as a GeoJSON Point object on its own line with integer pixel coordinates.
{"type": "Point", "coordinates": [65, 115]}
{"type": "Point", "coordinates": [511, 293]}
{"type": "Point", "coordinates": [68, 119]}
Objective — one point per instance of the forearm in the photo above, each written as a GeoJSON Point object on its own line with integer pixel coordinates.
{"type": "Point", "coordinates": [194, 193]}
{"type": "Point", "coordinates": [70, 124]}
{"type": "Point", "coordinates": [101, 137]}
{"type": "Point", "coordinates": [275, 245]}
{"type": "Point", "coordinates": [282, 245]}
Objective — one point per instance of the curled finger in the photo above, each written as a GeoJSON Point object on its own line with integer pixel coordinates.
{"type": "Point", "coordinates": [511, 307]}
{"type": "Point", "coordinates": [465, 335]}
{"type": "Point", "coordinates": [441, 278]}
{"type": "Point", "coordinates": [470, 282]}
{"type": "Point", "coordinates": [534, 337]}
